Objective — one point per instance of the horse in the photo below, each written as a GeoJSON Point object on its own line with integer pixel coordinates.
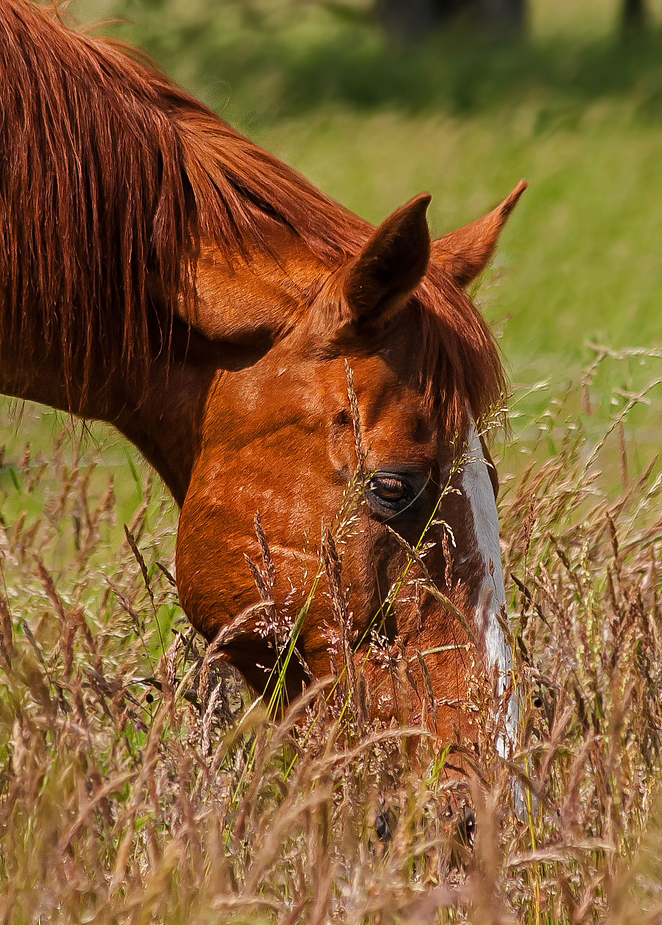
{"type": "Point", "coordinates": [269, 353]}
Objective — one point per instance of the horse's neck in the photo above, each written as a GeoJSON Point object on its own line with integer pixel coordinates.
{"type": "Point", "coordinates": [261, 294]}
{"type": "Point", "coordinates": [241, 310]}
{"type": "Point", "coordinates": [161, 417]}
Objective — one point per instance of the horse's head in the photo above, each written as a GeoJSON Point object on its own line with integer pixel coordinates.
{"type": "Point", "coordinates": [332, 378]}
{"type": "Point", "coordinates": [355, 435]}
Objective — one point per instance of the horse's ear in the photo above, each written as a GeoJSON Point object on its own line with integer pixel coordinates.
{"type": "Point", "coordinates": [464, 254]}
{"type": "Point", "coordinates": [381, 278]}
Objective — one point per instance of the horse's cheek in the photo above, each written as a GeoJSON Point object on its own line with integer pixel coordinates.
{"type": "Point", "coordinates": [207, 591]}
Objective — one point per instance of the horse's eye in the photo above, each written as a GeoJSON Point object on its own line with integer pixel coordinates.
{"type": "Point", "coordinates": [388, 488]}
{"type": "Point", "coordinates": [387, 491]}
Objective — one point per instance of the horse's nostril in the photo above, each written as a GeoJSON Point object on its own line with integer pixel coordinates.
{"type": "Point", "coordinates": [466, 827]}
{"type": "Point", "coordinates": [462, 842]}
{"type": "Point", "coordinates": [385, 825]}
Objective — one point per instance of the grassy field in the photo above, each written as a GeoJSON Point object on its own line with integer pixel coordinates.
{"type": "Point", "coordinates": [135, 785]}
{"type": "Point", "coordinates": [138, 784]}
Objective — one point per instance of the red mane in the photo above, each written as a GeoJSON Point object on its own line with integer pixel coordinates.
{"type": "Point", "coordinates": [109, 178]}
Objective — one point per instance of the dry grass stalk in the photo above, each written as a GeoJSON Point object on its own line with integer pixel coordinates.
{"type": "Point", "coordinates": [166, 810]}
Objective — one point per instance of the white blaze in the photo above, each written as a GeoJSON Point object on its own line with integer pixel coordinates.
{"type": "Point", "coordinates": [478, 489]}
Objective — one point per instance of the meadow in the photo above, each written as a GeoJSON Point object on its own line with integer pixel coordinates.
{"type": "Point", "coordinates": [139, 782]}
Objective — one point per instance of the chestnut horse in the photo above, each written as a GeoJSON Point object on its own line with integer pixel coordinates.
{"type": "Point", "coordinates": [161, 273]}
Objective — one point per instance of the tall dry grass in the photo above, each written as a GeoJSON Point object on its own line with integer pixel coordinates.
{"type": "Point", "coordinates": [139, 781]}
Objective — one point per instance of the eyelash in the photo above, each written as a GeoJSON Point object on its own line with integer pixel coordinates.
{"type": "Point", "coordinates": [389, 484]}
